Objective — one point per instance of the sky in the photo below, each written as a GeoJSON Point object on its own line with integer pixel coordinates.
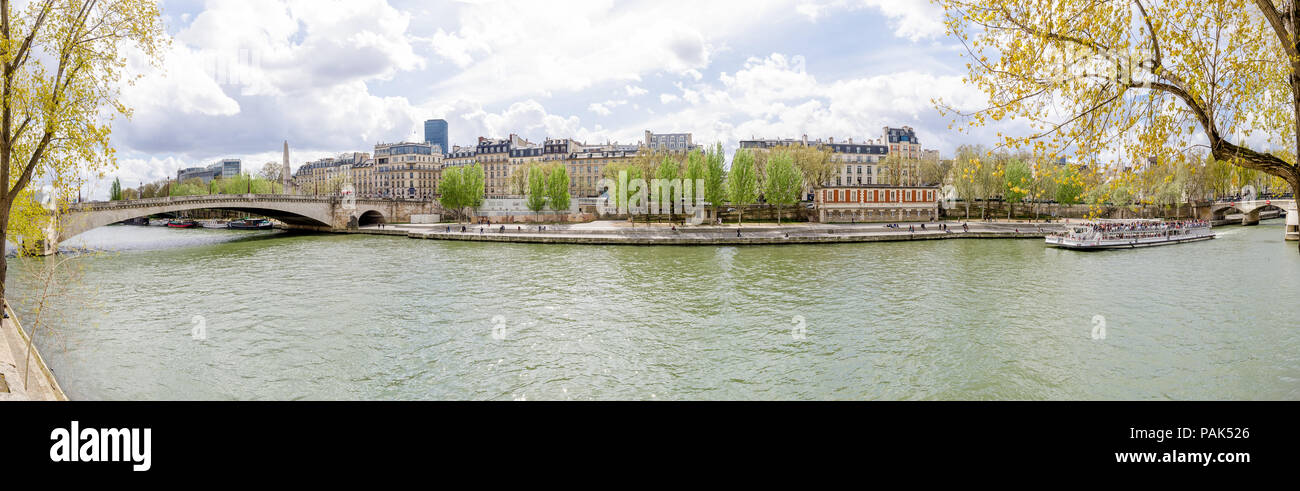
{"type": "Point", "coordinates": [332, 76]}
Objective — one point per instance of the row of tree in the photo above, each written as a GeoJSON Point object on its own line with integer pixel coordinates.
{"type": "Point", "coordinates": [241, 184]}
{"type": "Point", "coordinates": [978, 174]}
{"type": "Point", "coordinates": [462, 188]}
{"type": "Point", "coordinates": [548, 185]}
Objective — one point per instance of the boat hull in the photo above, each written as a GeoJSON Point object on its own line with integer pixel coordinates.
{"type": "Point", "coordinates": [1103, 245]}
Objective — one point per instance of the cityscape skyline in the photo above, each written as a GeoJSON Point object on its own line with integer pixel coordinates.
{"type": "Point", "coordinates": [241, 77]}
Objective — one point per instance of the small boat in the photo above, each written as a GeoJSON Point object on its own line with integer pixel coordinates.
{"type": "Point", "coordinates": [1129, 234]}
{"type": "Point", "coordinates": [250, 224]}
{"type": "Point", "coordinates": [182, 223]}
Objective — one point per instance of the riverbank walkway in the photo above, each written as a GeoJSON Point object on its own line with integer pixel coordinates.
{"type": "Point", "coordinates": [14, 365]}
{"type": "Point", "coordinates": [621, 232]}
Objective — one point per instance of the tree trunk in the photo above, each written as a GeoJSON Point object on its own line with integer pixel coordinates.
{"type": "Point", "coordinates": [4, 258]}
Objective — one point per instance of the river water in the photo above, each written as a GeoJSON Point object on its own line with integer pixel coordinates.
{"type": "Point", "coordinates": [214, 314]}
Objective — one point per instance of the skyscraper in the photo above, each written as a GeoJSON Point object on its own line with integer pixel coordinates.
{"type": "Point", "coordinates": [435, 131]}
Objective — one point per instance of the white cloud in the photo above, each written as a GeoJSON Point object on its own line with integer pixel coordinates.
{"type": "Point", "coordinates": [514, 49]}
{"type": "Point", "coordinates": [605, 108]}
{"type": "Point", "coordinates": [634, 91]}
{"type": "Point", "coordinates": [911, 19]}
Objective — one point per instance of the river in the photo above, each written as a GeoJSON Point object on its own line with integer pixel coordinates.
{"type": "Point", "coordinates": [214, 314]}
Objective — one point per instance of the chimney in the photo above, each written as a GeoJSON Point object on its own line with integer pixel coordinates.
{"type": "Point", "coordinates": [850, 140]}
{"type": "Point", "coordinates": [832, 140]}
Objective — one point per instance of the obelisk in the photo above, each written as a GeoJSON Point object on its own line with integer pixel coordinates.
{"type": "Point", "coordinates": [284, 172]}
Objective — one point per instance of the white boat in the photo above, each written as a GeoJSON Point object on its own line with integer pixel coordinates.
{"type": "Point", "coordinates": [1129, 234]}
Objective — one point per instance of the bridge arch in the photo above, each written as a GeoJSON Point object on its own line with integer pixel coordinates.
{"type": "Point", "coordinates": [370, 217]}
{"type": "Point", "coordinates": [295, 211]}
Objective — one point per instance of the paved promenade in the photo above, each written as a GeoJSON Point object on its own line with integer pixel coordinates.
{"type": "Point", "coordinates": [41, 385]}
{"type": "Point", "coordinates": [622, 233]}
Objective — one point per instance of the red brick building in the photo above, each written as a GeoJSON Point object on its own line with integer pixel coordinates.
{"type": "Point", "coordinates": [876, 203]}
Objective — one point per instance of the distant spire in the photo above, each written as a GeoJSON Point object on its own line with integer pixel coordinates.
{"type": "Point", "coordinates": [284, 171]}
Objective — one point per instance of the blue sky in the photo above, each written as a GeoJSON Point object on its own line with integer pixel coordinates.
{"type": "Point", "coordinates": [335, 76]}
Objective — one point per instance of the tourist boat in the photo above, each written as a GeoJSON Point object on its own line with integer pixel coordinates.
{"type": "Point", "coordinates": [250, 224]}
{"type": "Point", "coordinates": [1129, 234]}
{"type": "Point", "coordinates": [182, 223]}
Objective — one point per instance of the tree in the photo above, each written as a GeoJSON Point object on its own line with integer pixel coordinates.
{"type": "Point", "coordinates": [696, 171]}
{"type": "Point", "coordinates": [1069, 186]}
{"type": "Point", "coordinates": [115, 190]}
{"type": "Point", "coordinates": [536, 196]}
{"type": "Point", "coordinates": [1016, 179]}
{"type": "Point", "coordinates": [271, 171]}
{"type": "Point", "coordinates": [667, 174]}
{"type": "Point", "coordinates": [1139, 78]}
{"type": "Point", "coordinates": [622, 192]}
{"type": "Point", "coordinates": [1220, 174]}
{"type": "Point", "coordinates": [63, 65]}
{"type": "Point", "coordinates": [784, 182]}
{"type": "Point", "coordinates": [451, 190]}
{"type": "Point", "coordinates": [461, 188]}
{"type": "Point", "coordinates": [893, 165]}
{"type": "Point", "coordinates": [475, 180]}
{"type": "Point", "coordinates": [558, 188]}
{"type": "Point", "coordinates": [966, 169]}
{"type": "Point", "coordinates": [812, 161]}
{"type": "Point", "coordinates": [742, 182]}
{"type": "Point", "coordinates": [931, 170]}
{"type": "Point", "coordinates": [715, 178]}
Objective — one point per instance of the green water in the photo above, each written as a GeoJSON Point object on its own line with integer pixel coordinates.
{"type": "Point", "coordinates": [363, 317]}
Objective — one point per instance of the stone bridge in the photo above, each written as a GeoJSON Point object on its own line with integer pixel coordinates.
{"type": "Point", "coordinates": [1250, 210]}
{"type": "Point", "coordinates": [324, 213]}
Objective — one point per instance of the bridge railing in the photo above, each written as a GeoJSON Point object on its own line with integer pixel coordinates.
{"type": "Point", "coordinates": [201, 198]}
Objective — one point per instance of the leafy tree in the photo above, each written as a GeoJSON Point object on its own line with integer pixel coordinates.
{"type": "Point", "coordinates": [461, 188]}
{"type": "Point", "coordinates": [1139, 78]}
{"type": "Point", "coordinates": [966, 169]}
{"type": "Point", "coordinates": [115, 190]}
{"type": "Point", "coordinates": [742, 182]}
{"type": "Point", "coordinates": [558, 187]}
{"type": "Point", "coordinates": [1015, 183]}
{"type": "Point", "coordinates": [931, 170]}
{"type": "Point", "coordinates": [667, 173]}
{"type": "Point", "coordinates": [715, 178]}
{"type": "Point", "coordinates": [623, 196]}
{"type": "Point", "coordinates": [812, 161]}
{"type": "Point", "coordinates": [474, 186]}
{"type": "Point", "coordinates": [1069, 186]}
{"type": "Point", "coordinates": [696, 171]}
{"type": "Point", "coordinates": [536, 196]}
{"type": "Point", "coordinates": [784, 182]}
{"type": "Point", "coordinates": [63, 63]}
